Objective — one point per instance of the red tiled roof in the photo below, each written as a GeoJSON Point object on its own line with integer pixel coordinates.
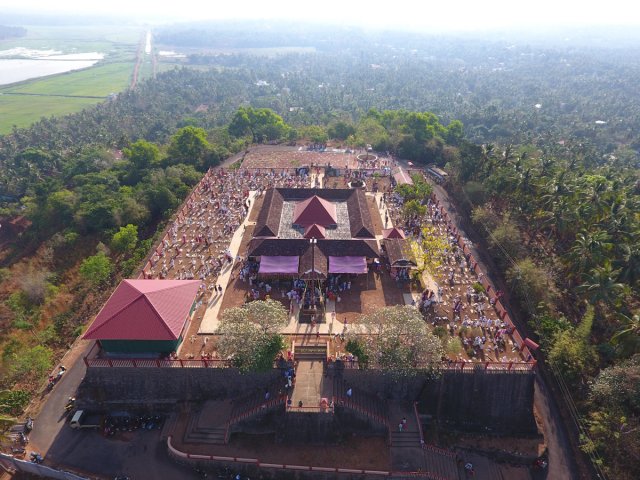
{"type": "Point", "coordinates": [315, 210]}
{"type": "Point", "coordinates": [145, 310]}
{"type": "Point", "coordinates": [394, 232]}
{"type": "Point", "coordinates": [315, 231]}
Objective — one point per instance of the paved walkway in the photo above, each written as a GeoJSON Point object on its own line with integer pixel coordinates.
{"type": "Point", "coordinates": [210, 320]}
{"type": "Point", "coordinates": [311, 386]}
{"type": "Point", "coordinates": [332, 325]}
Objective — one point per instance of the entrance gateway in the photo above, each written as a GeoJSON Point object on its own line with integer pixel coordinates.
{"type": "Point", "coordinates": [313, 389]}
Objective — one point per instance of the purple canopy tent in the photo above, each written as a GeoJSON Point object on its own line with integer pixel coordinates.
{"type": "Point", "coordinates": [347, 265]}
{"type": "Point", "coordinates": [279, 264]}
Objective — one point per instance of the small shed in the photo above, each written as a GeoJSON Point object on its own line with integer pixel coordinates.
{"type": "Point", "coordinates": [399, 253]}
{"type": "Point", "coordinates": [145, 316]}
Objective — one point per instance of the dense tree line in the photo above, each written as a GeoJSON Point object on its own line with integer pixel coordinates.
{"type": "Point", "coordinates": [567, 235]}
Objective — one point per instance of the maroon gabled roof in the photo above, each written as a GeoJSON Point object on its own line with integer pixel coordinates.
{"type": "Point", "coordinates": [315, 231]}
{"type": "Point", "coordinates": [315, 210]}
{"type": "Point", "coordinates": [394, 232]}
{"type": "Point", "coordinates": [145, 310]}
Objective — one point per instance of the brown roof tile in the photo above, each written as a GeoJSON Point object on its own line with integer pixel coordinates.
{"type": "Point", "coordinates": [399, 252]}
{"type": "Point", "coordinates": [268, 222]}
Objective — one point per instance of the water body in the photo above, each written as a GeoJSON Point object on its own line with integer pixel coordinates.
{"type": "Point", "coordinates": [20, 64]}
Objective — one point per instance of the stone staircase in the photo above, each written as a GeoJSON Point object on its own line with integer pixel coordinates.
{"type": "Point", "coordinates": [410, 453]}
{"type": "Point", "coordinates": [409, 439]}
{"type": "Point", "coordinates": [441, 464]}
{"type": "Point", "coordinates": [361, 402]}
{"type": "Point", "coordinates": [208, 425]}
{"type": "Point", "coordinates": [255, 403]}
{"type": "Point", "coordinates": [311, 351]}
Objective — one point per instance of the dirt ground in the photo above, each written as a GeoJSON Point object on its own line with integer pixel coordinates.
{"type": "Point", "coordinates": [529, 447]}
{"type": "Point", "coordinates": [369, 293]}
{"type": "Point", "coordinates": [358, 452]}
{"type": "Point", "coordinates": [382, 184]}
{"type": "Point", "coordinates": [292, 158]}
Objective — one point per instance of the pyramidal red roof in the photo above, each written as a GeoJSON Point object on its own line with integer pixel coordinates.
{"type": "Point", "coordinates": [315, 210]}
{"type": "Point", "coordinates": [394, 232]}
{"type": "Point", "coordinates": [145, 310]}
{"type": "Point", "coordinates": [315, 231]}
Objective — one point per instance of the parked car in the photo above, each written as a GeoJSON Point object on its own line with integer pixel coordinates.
{"type": "Point", "coordinates": [84, 419]}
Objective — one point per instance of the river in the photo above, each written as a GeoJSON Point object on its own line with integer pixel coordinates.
{"type": "Point", "coordinates": [17, 65]}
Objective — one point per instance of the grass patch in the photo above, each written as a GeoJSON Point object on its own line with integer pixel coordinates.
{"type": "Point", "coordinates": [100, 80]}
{"type": "Point", "coordinates": [97, 81]}
{"type": "Point", "coordinates": [23, 111]}
{"type": "Point", "coordinates": [112, 75]}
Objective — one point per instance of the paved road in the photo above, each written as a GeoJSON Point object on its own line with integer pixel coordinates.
{"type": "Point", "coordinates": [50, 420]}
{"type": "Point", "coordinates": [140, 454]}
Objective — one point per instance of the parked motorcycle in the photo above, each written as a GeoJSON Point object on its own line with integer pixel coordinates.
{"type": "Point", "coordinates": [36, 457]}
{"type": "Point", "coordinates": [28, 425]}
{"type": "Point", "coordinates": [53, 379]}
{"type": "Point", "coordinates": [71, 403]}
{"type": "Point", "coordinates": [18, 451]}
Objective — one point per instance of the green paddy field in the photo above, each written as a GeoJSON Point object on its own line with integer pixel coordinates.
{"type": "Point", "coordinates": [23, 103]}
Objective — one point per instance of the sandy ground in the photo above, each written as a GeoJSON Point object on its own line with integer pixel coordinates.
{"type": "Point", "coordinates": [358, 452]}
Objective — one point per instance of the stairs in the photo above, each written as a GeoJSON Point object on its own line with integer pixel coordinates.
{"type": "Point", "coordinates": [311, 351]}
{"type": "Point", "coordinates": [441, 464]}
{"type": "Point", "coordinates": [255, 403]}
{"type": "Point", "coordinates": [410, 439]}
{"type": "Point", "coordinates": [362, 402]}
{"type": "Point", "coordinates": [208, 425]}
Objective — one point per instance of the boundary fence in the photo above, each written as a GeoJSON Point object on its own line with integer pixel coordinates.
{"type": "Point", "coordinates": [190, 458]}
{"type": "Point", "coordinates": [92, 360]}
{"type": "Point", "coordinates": [10, 463]}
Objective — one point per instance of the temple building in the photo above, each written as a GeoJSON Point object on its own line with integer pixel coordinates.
{"type": "Point", "coordinates": [312, 233]}
{"type": "Point", "coordinates": [313, 240]}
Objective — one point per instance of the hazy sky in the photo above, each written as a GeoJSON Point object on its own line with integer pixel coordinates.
{"type": "Point", "coordinates": [440, 14]}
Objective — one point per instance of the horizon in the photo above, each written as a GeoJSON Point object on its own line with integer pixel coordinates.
{"type": "Point", "coordinates": [466, 16]}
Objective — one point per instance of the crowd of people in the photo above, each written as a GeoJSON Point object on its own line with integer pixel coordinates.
{"type": "Point", "coordinates": [196, 245]}
{"type": "Point", "coordinates": [459, 302]}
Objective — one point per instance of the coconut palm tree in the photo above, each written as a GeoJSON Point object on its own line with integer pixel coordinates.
{"type": "Point", "coordinates": [601, 285]}
{"type": "Point", "coordinates": [589, 249]}
{"type": "Point", "coordinates": [629, 261]}
{"type": "Point", "coordinates": [627, 340]}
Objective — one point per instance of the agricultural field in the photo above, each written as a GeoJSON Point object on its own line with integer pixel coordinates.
{"type": "Point", "coordinates": [22, 111]}
{"type": "Point", "coordinates": [25, 102]}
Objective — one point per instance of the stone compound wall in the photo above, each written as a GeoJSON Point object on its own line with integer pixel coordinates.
{"type": "Point", "coordinates": [492, 401]}
{"type": "Point", "coordinates": [154, 387]}
{"type": "Point", "coordinates": [484, 400]}
{"type": "Point", "coordinates": [499, 402]}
